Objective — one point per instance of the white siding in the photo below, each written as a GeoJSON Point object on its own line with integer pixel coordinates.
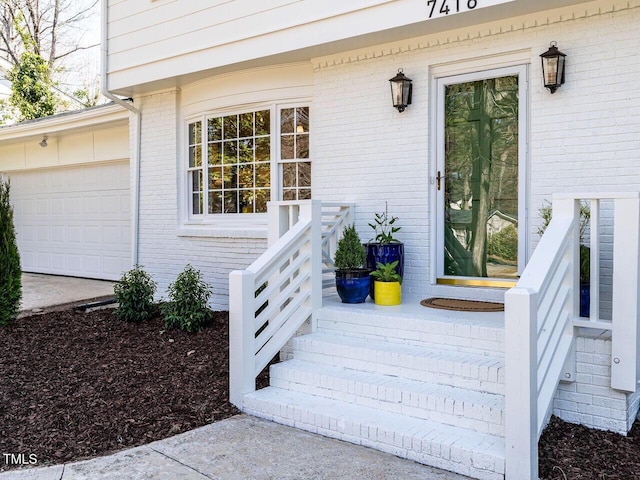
{"type": "Point", "coordinates": [152, 41]}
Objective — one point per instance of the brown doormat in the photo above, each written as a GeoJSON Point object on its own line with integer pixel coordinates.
{"type": "Point", "coordinates": [462, 305]}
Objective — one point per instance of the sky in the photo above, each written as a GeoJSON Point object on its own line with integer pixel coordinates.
{"type": "Point", "coordinates": [83, 67]}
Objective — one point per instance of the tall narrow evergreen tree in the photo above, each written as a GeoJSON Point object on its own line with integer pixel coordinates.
{"type": "Point", "coordinates": [10, 272]}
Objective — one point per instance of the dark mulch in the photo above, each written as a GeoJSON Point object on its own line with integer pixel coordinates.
{"type": "Point", "coordinates": [80, 385]}
{"type": "Point", "coordinates": [77, 385]}
{"type": "Point", "coordinates": [569, 452]}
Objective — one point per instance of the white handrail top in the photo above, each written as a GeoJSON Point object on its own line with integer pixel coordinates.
{"type": "Point", "coordinates": [337, 204]}
{"type": "Point", "coordinates": [290, 203]}
{"type": "Point", "coordinates": [263, 261]}
{"type": "Point", "coordinates": [546, 254]}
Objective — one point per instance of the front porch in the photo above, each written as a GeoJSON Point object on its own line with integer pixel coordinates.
{"type": "Point", "coordinates": [431, 385]}
{"type": "Point", "coordinates": [419, 383]}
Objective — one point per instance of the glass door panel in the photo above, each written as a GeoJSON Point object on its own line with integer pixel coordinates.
{"type": "Point", "coordinates": [480, 179]}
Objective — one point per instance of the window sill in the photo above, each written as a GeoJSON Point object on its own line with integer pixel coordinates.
{"type": "Point", "coordinates": [223, 231]}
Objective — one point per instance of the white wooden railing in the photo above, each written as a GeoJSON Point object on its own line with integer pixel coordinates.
{"type": "Point", "coordinates": [542, 319]}
{"type": "Point", "coordinates": [280, 292]}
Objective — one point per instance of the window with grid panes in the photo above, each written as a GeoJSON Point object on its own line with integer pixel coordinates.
{"type": "Point", "coordinates": [230, 161]}
{"type": "Point", "coordinates": [294, 153]}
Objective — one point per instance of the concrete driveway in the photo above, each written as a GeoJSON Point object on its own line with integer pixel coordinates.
{"type": "Point", "coordinates": [41, 292]}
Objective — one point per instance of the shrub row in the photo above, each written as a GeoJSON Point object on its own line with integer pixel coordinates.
{"type": "Point", "coordinates": [186, 309]}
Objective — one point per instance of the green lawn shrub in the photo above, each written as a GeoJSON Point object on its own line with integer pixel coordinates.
{"type": "Point", "coordinates": [188, 305]}
{"type": "Point", "coordinates": [134, 294]}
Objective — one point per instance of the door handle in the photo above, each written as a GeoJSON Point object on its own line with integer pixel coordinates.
{"type": "Point", "coordinates": [438, 180]}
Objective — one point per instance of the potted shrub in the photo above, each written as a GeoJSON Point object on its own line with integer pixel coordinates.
{"type": "Point", "coordinates": [545, 213]}
{"type": "Point", "coordinates": [384, 248]}
{"type": "Point", "coordinates": [352, 279]}
{"type": "Point", "coordinates": [387, 284]}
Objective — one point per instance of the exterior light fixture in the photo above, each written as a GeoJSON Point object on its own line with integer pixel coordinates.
{"type": "Point", "coordinates": [553, 61]}
{"type": "Point", "coordinates": [401, 90]}
{"type": "Point", "coordinates": [43, 143]}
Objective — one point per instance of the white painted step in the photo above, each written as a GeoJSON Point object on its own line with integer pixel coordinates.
{"type": "Point", "coordinates": [411, 323]}
{"type": "Point", "coordinates": [479, 411]}
{"type": "Point", "coordinates": [484, 373]}
{"type": "Point", "coordinates": [456, 449]}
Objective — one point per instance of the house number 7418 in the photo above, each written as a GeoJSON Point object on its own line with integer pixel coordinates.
{"type": "Point", "coordinates": [449, 6]}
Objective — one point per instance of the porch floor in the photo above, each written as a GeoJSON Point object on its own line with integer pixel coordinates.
{"type": "Point", "coordinates": [411, 309]}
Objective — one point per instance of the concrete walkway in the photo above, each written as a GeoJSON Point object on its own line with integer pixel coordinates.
{"type": "Point", "coordinates": [239, 448]}
{"type": "Point", "coordinates": [45, 291]}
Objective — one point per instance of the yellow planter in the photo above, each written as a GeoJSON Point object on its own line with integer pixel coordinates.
{"type": "Point", "coordinates": [387, 293]}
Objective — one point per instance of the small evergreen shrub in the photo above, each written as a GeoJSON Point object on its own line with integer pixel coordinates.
{"type": "Point", "coordinates": [134, 294]}
{"type": "Point", "coordinates": [188, 305]}
{"type": "Point", "coordinates": [350, 254]}
{"type": "Point", "coordinates": [10, 271]}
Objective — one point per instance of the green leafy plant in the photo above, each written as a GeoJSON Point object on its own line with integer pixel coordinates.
{"type": "Point", "coordinates": [386, 272]}
{"type": "Point", "coordinates": [546, 212]}
{"type": "Point", "coordinates": [384, 228]}
{"type": "Point", "coordinates": [188, 305]}
{"type": "Point", "coordinates": [11, 273]}
{"type": "Point", "coordinates": [350, 253]}
{"type": "Point", "coordinates": [134, 294]}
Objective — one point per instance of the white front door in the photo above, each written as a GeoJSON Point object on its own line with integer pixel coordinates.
{"type": "Point", "coordinates": [480, 178]}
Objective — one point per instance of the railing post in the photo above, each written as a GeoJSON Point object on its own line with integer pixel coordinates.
{"type": "Point", "coordinates": [281, 216]}
{"type": "Point", "coordinates": [242, 376]}
{"type": "Point", "coordinates": [626, 296]}
{"type": "Point", "coordinates": [521, 390]}
{"type": "Point", "coordinates": [312, 210]}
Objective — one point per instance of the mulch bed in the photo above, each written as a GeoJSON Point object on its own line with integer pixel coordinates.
{"type": "Point", "coordinates": [569, 452]}
{"type": "Point", "coordinates": [81, 385]}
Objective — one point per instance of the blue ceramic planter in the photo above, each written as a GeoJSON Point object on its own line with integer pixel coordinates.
{"type": "Point", "coordinates": [387, 253]}
{"type": "Point", "coordinates": [585, 299]}
{"type": "Point", "coordinates": [353, 285]}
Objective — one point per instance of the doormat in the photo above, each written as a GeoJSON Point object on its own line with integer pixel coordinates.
{"type": "Point", "coordinates": [462, 305]}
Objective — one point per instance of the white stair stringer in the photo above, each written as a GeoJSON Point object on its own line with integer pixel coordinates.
{"type": "Point", "coordinates": [464, 451]}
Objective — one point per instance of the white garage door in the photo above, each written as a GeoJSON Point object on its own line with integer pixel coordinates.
{"type": "Point", "coordinates": [74, 220]}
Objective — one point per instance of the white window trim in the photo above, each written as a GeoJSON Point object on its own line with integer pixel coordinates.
{"type": "Point", "coordinates": [511, 60]}
{"type": "Point", "coordinates": [235, 225]}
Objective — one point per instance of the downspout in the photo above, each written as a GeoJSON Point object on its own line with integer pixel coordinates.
{"type": "Point", "coordinates": [137, 135]}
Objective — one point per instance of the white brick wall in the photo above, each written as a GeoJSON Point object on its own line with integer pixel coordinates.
{"type": "Point", "coordinates": [584, 137]}
{"type": "Point", "coordinates": [162, 252]}
{"type": "Point", "coordinates": [590, 400]}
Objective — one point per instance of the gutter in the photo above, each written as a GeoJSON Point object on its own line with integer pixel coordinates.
{"type": "Point", "coordinates": [137, 135]}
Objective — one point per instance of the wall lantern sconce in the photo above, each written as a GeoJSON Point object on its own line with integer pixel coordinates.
{"type": "Point", "coordinates": [43, 143]}
{"type": "Point", "coordinates": [553, 67]}
{"type": "Point", "coordinates": [401, 90]}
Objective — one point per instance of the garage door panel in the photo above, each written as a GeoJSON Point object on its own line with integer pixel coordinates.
{"type": "Point", "coordinates": [26, 233]}
{"type": "Point", "coordinates": [43, 234]}
{"type": "Point", "coordinates": [74, 221]}
{"type": "Point", "coordinates": [43, 260]}
{"type": "Point", "coordinates": [42, 206]}
{"type": "Point", "coordinates": [58, 234]}
{"type": "Point", "coordinates": [57, 261]}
